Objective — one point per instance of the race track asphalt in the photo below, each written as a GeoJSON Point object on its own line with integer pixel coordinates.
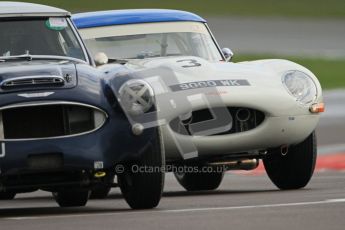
{"type": "Point", "coordinates": [242, 202]}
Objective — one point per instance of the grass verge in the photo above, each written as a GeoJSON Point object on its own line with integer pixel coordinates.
{"type": "Point", "coordinates": [285, 8]}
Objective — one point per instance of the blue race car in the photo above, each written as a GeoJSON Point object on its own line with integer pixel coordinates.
{"type": "Point", "coordinates": [62, 128]}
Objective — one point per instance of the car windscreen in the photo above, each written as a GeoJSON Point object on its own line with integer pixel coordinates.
{"type": "Point", "coordinates": [152, 40]}
{"type": "Point", "coordinates": [39, 36]}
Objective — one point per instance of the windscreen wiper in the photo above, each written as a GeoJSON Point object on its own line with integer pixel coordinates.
{"type": "Point", "coordinates": [26, 57]}
{"type": "Point", "coordinates": [29, 57]}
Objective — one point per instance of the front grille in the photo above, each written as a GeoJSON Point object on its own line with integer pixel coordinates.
{"type": "Point", "coordinates": [32, 81]}
{"type": "Point", "coordinates": [46, 121]}
{"type": "Point", "coordinates": [243, 119]}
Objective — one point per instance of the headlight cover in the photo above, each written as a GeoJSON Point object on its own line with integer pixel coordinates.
{"type": "Point", "coordinates": [136, 97]}
{"type": "Point", "coordinates": [300, 86]}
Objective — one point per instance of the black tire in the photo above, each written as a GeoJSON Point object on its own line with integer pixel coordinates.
{"type": "Point", "coordinates": [199, 181]}
{"type": "Point", "coordinates": [100, 192]}
{"type": "Point", "coordinates": [7, 195]}
{"type": "Point", "coordinates": [72, 197]}
{"type": "Point", "coordinates": [144, 190]}
{"type": "Point", "coordinates": [295, 169]}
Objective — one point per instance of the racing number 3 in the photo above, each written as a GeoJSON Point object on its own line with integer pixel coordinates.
{"type": "Point", "coordinates": [190, 62]}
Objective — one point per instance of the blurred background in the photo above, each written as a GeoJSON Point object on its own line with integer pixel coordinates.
{"type": "Point", "coordinates": [309, 32]}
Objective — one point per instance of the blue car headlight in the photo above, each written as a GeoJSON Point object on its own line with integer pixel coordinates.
{"type": "Point", "coordinates": [301, 86]}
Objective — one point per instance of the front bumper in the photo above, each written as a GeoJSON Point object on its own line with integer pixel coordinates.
{"type": "Point", "coordinates": [286, 122]}
{"type": "Point", "coordinates": [101, 149]}
{"type": "Point", "coordinates": [272, 133]}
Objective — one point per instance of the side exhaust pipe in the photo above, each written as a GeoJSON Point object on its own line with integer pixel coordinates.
{"type": "Point", "coordinates": [248, 164]}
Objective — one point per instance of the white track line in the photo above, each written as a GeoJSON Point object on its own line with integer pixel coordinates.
{"type": "Point", "coordinates": [329, 201]}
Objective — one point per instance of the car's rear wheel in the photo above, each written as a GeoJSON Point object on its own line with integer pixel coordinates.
{"type": "Point", "coordinates": [7, 195]}
{"type": "Point", "coordinates": [199, 181]}
{"type": "Point", "coordinates": [143, 190]}
{"type": "Point", "coordinates": [295, 169]}
{"type": "Point", "coordinates": [71, 197]}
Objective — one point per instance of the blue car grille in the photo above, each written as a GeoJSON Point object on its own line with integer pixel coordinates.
{"type": "Point", "coordinates": [48, 121]}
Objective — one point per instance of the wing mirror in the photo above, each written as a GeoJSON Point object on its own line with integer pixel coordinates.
{"type": "Point", "coordinates": [101, 59]}
{"type": "Point", "coordinates": [228, 54]}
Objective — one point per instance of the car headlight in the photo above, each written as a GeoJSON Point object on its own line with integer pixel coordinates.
{"type": "Point", "coordinates": [301, 86]}
{"type": "Point", "coordinates": [136, 97]}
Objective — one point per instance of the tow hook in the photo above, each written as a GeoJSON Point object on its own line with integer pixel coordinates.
{"type": "Point", "coordinates": [284, 149]}
{"type": "Point", "coordinates": [100, 174]}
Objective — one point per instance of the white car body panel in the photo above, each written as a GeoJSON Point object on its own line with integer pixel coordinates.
{"type": "Point", "coordinates": [286, 122]}
{"type": "Point", "coordinates": [21, 9]}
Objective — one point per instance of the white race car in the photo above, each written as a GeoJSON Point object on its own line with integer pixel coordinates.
{"type": "Point", "coordinates": [212, 112]}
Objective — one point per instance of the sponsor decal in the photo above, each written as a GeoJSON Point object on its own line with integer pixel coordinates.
{"type": "Point", "coordinates": [207, 84]}
{"type": "Point", "coordinates": [98, 165]}
{"type": "Point", "coordinates": [189, 63]}
{"type": "Point", "coordinates": [176, 108]}
{"type": "Point", "coordinates": [56, 23]}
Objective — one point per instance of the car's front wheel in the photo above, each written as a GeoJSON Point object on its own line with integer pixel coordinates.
{"type": "Point", "coordinates": [71, 197]}
{"type": "Point", "coordinates": [143, 189]}
{"type": "Point", "coordinates": [295, 169]}
{"type": "Point", "coordinates": [199, 181]}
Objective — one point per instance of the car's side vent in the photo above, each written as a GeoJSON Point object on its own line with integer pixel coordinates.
{"type": "Point", "coordinates": [29, 81]}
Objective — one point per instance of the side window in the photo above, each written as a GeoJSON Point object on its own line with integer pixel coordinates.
{"type": "Point", "coordinates": [69, 44]}
{"type": "Point", "coordinates": [63, 43]}
{"type": "Point", "coordinates": [70, 34]}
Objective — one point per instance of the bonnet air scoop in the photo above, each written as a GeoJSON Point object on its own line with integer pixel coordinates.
{"type": "Point", "coordinates": [37, 75]}
{"type": "Point", "coordinates": [32, 81]}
